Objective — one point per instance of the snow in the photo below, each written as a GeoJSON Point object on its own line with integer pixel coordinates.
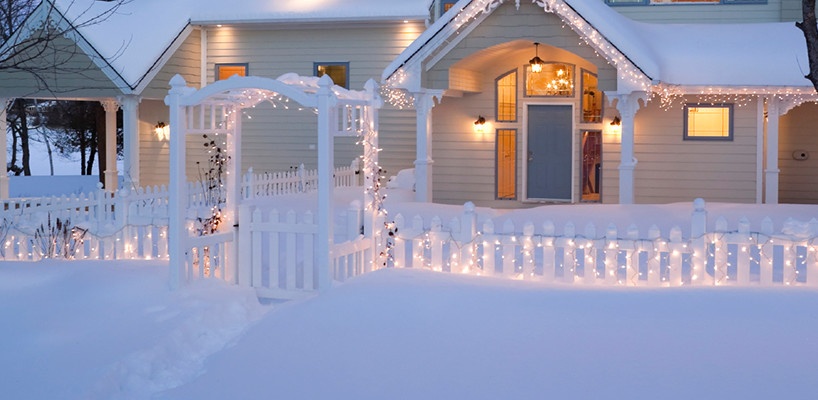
{"type": "Point", "coordinates": [740, 55]}
{"type": "Point", "coordinates": [134, 36]}
{"type": "Point", "coordinates": [113, 330]}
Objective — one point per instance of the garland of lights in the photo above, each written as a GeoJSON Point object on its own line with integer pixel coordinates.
{"type": "Point", "coordinates": [628, 272]}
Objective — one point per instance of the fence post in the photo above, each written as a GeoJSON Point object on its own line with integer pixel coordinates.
{"type": "Point", "coordinates": [698, 228]}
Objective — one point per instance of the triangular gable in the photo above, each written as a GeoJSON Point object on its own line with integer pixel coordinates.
{"type": "Point", "coordinates": [46, 14]}
{"type": "Point", "coordinates": [452, 27]}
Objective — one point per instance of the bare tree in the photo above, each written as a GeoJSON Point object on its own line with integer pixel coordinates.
{"type": "Point", "coordinates": [809, 26]}
{"type": "Point", "coordinates": [41, 54]}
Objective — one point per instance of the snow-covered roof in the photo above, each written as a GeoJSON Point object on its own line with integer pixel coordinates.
{"type": "Point", "coordinates": [739, 55]}
{"type": "Point", "coordinates": [133, 37]}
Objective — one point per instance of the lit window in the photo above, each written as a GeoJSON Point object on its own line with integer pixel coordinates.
{"type": "Point", "coordinates": [224, 71]}
{"type": "Point", "coordinates": [506, 159]}
{"type": "Point", "coordinates": [708, 122]}
{"type": "Point", "coordinates": [591, 165]}
{"type": "Point", "coordinates": [337, 71]}
{"type": "Point", "coordinates": [446, 6]}
{"type": "Point", "coordinates": [555, 79]}
{"type": "Point", "coordinates": [591, 98]}
{"type": "Point", "coordinates": [507, 97]}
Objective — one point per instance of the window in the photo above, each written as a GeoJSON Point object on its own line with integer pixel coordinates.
{"type": "Point", "coordinates": [224, 71]}
{"type": "Point", "coordinates": [591, 98]}
{"type": "Point", "coordinates": [506, 88]}
{"type": "Point", "coordinates": [446, 5]}
{"type": "Point", "coordinates": [591, 165]}
{"type": "Point", "coordinates": [646, 2]}
{"type": "Point", "coordinates": [506, 160]}
{"type": "Point", "coordinates": [338, 71]}
{"type": "Point", "coordinates": [708, 122]}
{"type": "Point", "coordinates": [555, 80]}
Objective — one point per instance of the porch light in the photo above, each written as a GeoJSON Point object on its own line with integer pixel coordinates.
{"type": "Point", "coordinates": [162, 131]}
{"type": "Point", "coordinates": [536, 62]}
{"type": "Point", "coordinates": [480, 124]}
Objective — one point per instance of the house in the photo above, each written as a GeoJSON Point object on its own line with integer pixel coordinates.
{"type": "Point", "coordinates": [504, 103]}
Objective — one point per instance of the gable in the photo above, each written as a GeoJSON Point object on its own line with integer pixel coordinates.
{"type": "Point", "coordinates": [505, 39]}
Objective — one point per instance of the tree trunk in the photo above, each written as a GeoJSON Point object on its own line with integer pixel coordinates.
{"type": "Point", "coordinates": [809, 26]}
{"type": "Point", "coordinates": [21, 112]}
{"type": "Point", "coordinates": [82, 160]}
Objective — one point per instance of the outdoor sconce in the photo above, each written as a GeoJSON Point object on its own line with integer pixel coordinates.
{"type": "Point", "coordinates": [536, 62]}
{"type": "Point", "coordinates": [480, 125]}
{"type": "Point", "coordinates": [616, 125]}
{"type": "Point", "coordinates": [162, 131]}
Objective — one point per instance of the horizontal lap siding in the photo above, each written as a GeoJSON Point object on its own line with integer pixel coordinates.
{"type": "Point", "coordinates": [464, 161]}
{"type": "Point", "coordinates": [773, 11]}
{"type": "Point", "coordinates": [186, 61]}
{"type": "Point", "coordinates": [671, 169]}
{"type": "Point", "coordinates": [798, 180]}
{"type": "Point", "coordinates": [276, 141]}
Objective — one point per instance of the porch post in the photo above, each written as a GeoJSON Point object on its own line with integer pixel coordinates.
{"type": "Point", "coordinates": [234, 198]}
{"type": "Point", "coordinates": [110, 106]}
{"type": "Point", "coordinates": [628, 105]}
{"type": "Point", "coordinates": [4, 177]}
{"type": "Point", "coordinates": [424, 102]}
{"type": "Point", "coordinates": [325, 183]}
{"type": "Point", "coordinates": [130, 138]}
{"type": "Point", "coordinates": [771, 171]}
{"type": "Point", "coordinates": [177, 190]}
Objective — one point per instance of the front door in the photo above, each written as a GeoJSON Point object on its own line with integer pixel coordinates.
{"type": "Point", "coordinates": [549, 152]}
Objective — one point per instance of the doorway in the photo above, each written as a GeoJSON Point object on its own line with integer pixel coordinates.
{"type": "Point", "coordinates": [549, 152]}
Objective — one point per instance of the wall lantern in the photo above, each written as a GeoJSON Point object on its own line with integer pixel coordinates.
{"type": "Point", "coordinates": [162, 131]}
{"type": "Point", "coordinates": [536, 62]}
{"type": "Point", "coordinates": [616, 125]}
{"type": "Point", "coordinates": [480, 125]}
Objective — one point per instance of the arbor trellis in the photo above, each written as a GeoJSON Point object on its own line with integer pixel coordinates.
{"type": "Point", "coordinates": [216, 110]}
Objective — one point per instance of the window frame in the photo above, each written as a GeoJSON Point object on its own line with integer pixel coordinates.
{"type": "Point", "coordinates": [497, 164]}
{"type": "Point", "coordinates": [527, 72]}
{"type": "Point", "coordinates": [516, 96]}
{"type": "Point", "coordinates": [582, 72]}
{"type": "Point", "coordinates": [730, 122]}
{"type": "Point", "coordinates": [218, 66]}
{"type": "Point", "coordinates": [344, 64]}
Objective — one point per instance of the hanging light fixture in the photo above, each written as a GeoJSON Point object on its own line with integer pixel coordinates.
{"type": "Point", "coordinates": [536, 62]}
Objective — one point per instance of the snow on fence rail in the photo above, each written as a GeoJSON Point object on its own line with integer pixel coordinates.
{"type": "Point", "coordinates": [724, 256]}
{"type": "Point", "coordinates": [297, 180]}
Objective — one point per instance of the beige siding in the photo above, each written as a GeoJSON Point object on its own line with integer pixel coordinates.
{"type": "Point", "coordinates": [290, 135]}
{"type": "Point", "coordinates": [464, 168]}
{"type": "Point", "coordinates": [773, 11]}
{"type": "Point", "coordinates": [671, 169]}
{"type": "Point", "coordinates": [798, 181]}
{"type": "Point", "coordinates": [76, 75]}
{"type": "Point", "coordinates": [186, 61]}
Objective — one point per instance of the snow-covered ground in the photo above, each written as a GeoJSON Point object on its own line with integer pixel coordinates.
{"type": "Point", "coordinates": [113, 331]}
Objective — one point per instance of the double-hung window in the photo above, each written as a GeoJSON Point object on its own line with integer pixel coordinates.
{"type": "Point", "coordinates": [226, 70]}
{"type": "Point", "coordinates": [338, 71]}
{"type": "Point", "coordinates": [708, 122]}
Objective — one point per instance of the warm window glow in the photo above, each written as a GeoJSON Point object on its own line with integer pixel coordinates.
{"type": "Point", "coordinates": [338, 72]}
{"type": "Point", "coordinates": [507, 97]}
{"type": "Point", "coordinates": [224, 71]}
{"type": "Point", "coordinates": [591, 165]}
{"type": "Point", "coordinates": [506, 154]}
{"type": "Point", "coordinates": [591, 98]}
{"type": "Point", "coordinates": [708, 122]}
{"type": "Point", "coordinates": [556, 79]}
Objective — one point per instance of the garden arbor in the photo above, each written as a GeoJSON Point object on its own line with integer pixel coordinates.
{"type": "Point", "coordinates": [216, 110]}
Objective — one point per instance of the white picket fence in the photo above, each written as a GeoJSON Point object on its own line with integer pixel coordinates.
{"type": "Point", "coordinates": [725, 256]}
{"type": "Point", "coordinates": [277, 250]}
{"type": "Point", "coordinates": [297, 180]}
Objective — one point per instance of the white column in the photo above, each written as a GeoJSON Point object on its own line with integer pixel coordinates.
{"type": "Point", "coordinates": [130, 138]}
{"type": "Point", "coordinates": [424, 102]}
{"type": "Point", "coordinates": [325, 183]}
{"type": "Point", "coordinates": [177, 188]}
{"type": "Point", "coordinates": [111, 107]}
{"type": "Point", "coordinates": [628, 105]}
{"type": "Point", "coordinates": [771, 171]}
{"type": "Point", "coordinates": [4, 177]}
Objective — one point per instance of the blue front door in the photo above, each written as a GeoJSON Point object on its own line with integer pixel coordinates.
{"type": "Point", "coordinates": [549, 152]}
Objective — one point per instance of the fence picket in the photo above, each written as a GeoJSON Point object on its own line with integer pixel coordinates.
{"type": "Point", "coordinates": [549, 251]}
{"type": "Point", "coordinates": [309, 249]}
{"type": "Point", "coordinates": [611, 255]}
{"type": "Point", "coordinates": [528, 250]}
{"type": "Point", "coordinates": [291, 254]}
{"type": "Point", "coordinates": [489, 248]}
{"type": "Point", "coordinates": [589, 255]}
{"type": "Point", "coordinates": [654, 257]}
{"type": "Point", "coordinates": [509, 244]}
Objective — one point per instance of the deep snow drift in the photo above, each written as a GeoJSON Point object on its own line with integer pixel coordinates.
{"type": "Point", "coordinates": [89, 330]}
